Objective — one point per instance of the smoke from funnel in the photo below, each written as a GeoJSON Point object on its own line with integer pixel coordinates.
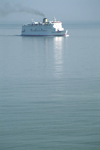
{"type": "Point", "coordinates": [7, 9]}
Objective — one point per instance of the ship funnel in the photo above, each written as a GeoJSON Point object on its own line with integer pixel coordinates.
{"type": "Point", "coordinates": [44, 20]}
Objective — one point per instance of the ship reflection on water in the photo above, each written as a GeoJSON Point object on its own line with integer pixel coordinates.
{"type": "Point", "coordinates": [47, 55]}
{"type": "Point", "coordinates": [58, 56]}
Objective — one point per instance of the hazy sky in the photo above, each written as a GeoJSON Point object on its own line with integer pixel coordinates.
{"type": "Point", "coordinates": [64, 10]}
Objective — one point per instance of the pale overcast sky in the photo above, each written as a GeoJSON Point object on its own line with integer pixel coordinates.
{"type": "Point", "coordinates": [64, 10]}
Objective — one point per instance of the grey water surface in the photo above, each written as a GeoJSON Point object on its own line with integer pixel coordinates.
{"type": "Point", "coordinates": [50, 89]}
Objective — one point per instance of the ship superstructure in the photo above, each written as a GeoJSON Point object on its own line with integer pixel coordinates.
{"type": "Point", "coordinates": [45, 28]}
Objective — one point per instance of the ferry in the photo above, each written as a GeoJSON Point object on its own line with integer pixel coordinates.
{"type": "Point", "coordinates": [45, 28]}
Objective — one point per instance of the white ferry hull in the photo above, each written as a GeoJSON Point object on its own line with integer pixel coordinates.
{"type": "Point", "coordinates": [63, 33]}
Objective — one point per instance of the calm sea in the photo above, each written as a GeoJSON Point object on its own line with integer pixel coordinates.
{"type": "Point", "coordinates": [50, 89]}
